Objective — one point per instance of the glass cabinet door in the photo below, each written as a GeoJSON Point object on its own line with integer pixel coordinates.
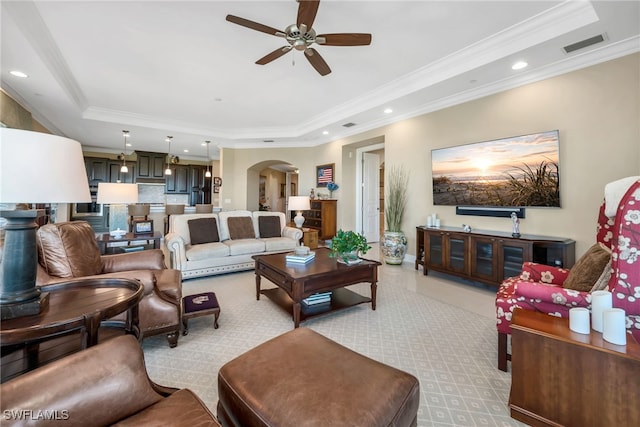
{"type": "Point", "coordinates": [457, 248]}
{"type": "Point", "coordinates": [435, 249]}
{"type": "Point", "coordinates": [512, 255]}
{"type": "Point", "coordinates": [484, 262]}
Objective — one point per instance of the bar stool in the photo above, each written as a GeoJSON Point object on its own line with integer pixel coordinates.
{"type": "Point", "coordinates": [138, 212]}
{"type": "Point", "coordinates": [171, 210]}
{"type": "Point", "coordinates": [204, 208]}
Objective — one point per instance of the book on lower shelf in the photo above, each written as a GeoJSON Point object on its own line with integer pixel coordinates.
{"type": "Point", "coordinates": [300, 259]}
{"type": "Point", "coordinates": [319, 298]}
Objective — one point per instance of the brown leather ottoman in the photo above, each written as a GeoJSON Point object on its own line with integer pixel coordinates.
{"type": "Point", "coordinates": [302, 378]}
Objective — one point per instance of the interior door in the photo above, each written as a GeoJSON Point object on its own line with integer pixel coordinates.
{"type": "Point", "coordinates": [371, 196]}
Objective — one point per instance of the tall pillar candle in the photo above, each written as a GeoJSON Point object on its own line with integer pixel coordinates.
{"type": "Point", "coordinates": [579, 320]}
{"type": "Point", "coordinates": [613, 326]}
{"type": "Point", "coordinates": [600, 301]}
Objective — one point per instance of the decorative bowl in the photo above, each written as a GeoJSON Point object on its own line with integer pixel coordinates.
{"type": "Point", "coordinates": [117, 234]}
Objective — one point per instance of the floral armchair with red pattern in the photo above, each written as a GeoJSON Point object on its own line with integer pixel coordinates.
{"type": "Point", "coordinates": [540, 287]}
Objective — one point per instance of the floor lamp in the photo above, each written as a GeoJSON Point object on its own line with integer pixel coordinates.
{"type": "Point", "coordinates": [117, 195]}
{"type": "Point", "coordinates": [34, 168]}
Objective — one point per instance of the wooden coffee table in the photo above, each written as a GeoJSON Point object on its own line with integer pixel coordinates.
{"type": "Point", "coordinates": [296, 282]}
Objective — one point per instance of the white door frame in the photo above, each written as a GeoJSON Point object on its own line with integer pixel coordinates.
{"type": "Point", "coordinates": [359, 184]}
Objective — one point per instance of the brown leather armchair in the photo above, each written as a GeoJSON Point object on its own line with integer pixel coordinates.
{"type": "Point", "coordinates": [104, 385]}
{"type": "Point", "coordinates": [69, 250]}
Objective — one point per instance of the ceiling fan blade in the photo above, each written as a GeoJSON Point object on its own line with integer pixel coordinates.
{"type": "Point", "coordinates": [307, 10]}
{"type": "Point", "coordinates": [254, 25]}
{"type": "Point", "coordinates": [316, 61]}
{"type": "Point", "coordinates": [273, 55]}
{"type": "Point", "coordinates": [344, 39]}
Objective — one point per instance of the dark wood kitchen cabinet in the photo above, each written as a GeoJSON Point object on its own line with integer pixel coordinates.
{"type": "Point", "coordinates": [150, 166]}
{"type": "Point", "coordinates": [97, 170]}
{"type": "Point", "coordinates": [200, 191]}
{"type": "Point", "coordinates": [116, 176]}
{"type": "Point", "coordinates": [178, 182]}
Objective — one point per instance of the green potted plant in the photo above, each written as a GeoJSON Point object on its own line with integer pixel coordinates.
{"type": "Point", "coordinates": [394, 242]}
{"type": "Point", "coordinates": [347, 245]}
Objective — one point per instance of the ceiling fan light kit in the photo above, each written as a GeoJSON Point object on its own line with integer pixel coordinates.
{"type": "Point", "coordinates": [300, 36]}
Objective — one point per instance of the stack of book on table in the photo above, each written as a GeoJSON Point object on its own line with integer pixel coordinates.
{"type": "Point", "coordinates": [292, 258]}
{"type": "Point", "coordinates": [319, 298]}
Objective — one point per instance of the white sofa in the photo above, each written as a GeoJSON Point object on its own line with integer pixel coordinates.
{"type": "Point", "coordinates": [227, 254]}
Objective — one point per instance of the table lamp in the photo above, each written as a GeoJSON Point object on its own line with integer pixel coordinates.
{"type": "Point", "coordinates": [34, 168]}
{"type": "Point", "coordinates": [299, 204]}
{"type": "Point", "coordinates": [117, 195]}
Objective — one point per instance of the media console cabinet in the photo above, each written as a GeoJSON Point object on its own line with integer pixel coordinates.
{"type": "Point", "coordinates": [487, 256]}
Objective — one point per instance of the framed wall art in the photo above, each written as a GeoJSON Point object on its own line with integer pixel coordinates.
{"type": "Point", "coordinates": [324, 174]}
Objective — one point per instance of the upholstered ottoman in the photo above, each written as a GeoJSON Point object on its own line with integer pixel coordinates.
{"type": "Point", "coordinates": [302, 378]}
{"type": "Point", "coordinates": [197, 305]}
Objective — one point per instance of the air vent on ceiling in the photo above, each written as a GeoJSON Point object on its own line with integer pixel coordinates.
{"type": "Point", "coordinates": [268, 140]}
{"type": "Point", "coordinates": [584, 43]}
{"type": "Point", "coordinates": [348, 125]}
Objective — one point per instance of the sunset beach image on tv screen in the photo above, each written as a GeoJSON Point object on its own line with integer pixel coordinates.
{"type": "Point", "coordinates": [515, 171]}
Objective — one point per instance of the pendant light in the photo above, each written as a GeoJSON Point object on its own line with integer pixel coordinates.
{"type": "Point", "coordinates": [124, 168]}
{"type": "Point", "coordinates": [207, 174]}
{"type": "Point", "coordinates": [167, 171]}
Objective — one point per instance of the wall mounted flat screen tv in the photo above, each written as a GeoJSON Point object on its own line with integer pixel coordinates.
{"type": "Point", "coordinates": [515, 171]}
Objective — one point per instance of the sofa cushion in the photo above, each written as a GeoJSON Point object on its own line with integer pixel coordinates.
{"type": "Point", "coordinates": [269, 226]}
{"type": "Point", "coordinates": [589, 268]}
{"type": "Point", "coordinates": [279, 244]}
{"type": "Point", "coordinates": [203, 230]}
{"type": "Point", "coordinates": [68, 249]}
{"type": "Point", "coordinates": [245, 246]}
{"type": "Point", "coordinates": [240, 227]}
{"type": "Point", "coordinates": [206, 251]}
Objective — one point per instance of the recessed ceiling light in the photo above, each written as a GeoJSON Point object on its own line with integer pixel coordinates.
{"type": "Point", "coordinates": [519, 65]}
{"type": "Point", "coordinates": [18, 74]}
{"type": "Point", "coordinates": [186, 151]}
{"type": "Point", "coordinates": [388, 110]}
{"type": "Point", "coordinates": [326, 132]}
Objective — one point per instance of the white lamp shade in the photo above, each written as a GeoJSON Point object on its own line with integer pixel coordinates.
{"type": "Point", "coordinates": [41, 168]}
{"type": "Point", "coordinates": [299, 203]}
{"type": "Point", "coordinates": [117, 193]}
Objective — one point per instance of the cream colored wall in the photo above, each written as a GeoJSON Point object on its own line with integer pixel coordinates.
{"type": "Point", "coordinates": [596, 110]}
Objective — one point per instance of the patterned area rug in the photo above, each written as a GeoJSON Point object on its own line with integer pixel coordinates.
{"type": "Point", "coordinates": [450, 350]}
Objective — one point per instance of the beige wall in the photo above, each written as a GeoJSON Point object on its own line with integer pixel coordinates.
{"type": "Point", "coordinates": [596, 110]}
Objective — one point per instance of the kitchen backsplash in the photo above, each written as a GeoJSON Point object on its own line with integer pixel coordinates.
{"type": "Point", "coordinates": [154, 194]}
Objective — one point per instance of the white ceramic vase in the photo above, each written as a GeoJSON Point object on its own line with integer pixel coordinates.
{"type": "Point", "coordinates": [393, 247]}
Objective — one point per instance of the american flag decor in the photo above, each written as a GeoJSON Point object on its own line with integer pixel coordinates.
{"type": "Point", "coordinates": [324, 174]}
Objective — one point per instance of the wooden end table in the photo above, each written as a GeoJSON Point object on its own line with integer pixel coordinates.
{"type": "Point", "coordinates": [74, 306]}
{"type": "Point", "coordinates": [296, 282]}
{"type": "Point", "coordinates": [561, 377]}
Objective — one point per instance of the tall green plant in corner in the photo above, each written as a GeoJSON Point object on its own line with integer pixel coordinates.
{"type": "Point", "coordinates": [396, 200]}
{"type": "Point", "coordinates": [394, 242]}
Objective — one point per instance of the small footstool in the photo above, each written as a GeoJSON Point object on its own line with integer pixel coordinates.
{"type": "Point", "coordinates": [302, 378]}
{"type": "Point", "coordinates": [197, 305]}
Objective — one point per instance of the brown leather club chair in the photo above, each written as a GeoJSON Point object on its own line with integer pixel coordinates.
{"type": "Point", "coordinates": [69, 250]}
{"type": "Point", "coordinates": [104, 385]}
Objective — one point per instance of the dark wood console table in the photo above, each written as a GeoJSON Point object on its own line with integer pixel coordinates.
{"type": "Point", "coordinates": [487, 256]}
{"type": "Point", "coordinates": [109, 244]}
{"type": "Point", "coordinates": [76, 307]}
{"type": "Point", "coordinates": [562, 378]}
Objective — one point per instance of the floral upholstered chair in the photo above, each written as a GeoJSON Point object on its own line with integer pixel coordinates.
{"type": "Point", "coordinates": [555, 290]}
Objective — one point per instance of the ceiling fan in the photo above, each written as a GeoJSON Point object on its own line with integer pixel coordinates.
{"type": "Point", "coordinates": [301, 36]}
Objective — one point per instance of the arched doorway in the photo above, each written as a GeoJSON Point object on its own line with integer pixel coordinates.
{"type": "Point", "coordinates": [269, 184]}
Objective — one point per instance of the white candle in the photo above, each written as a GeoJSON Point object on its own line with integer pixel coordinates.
{"type": "Point", "coordinates": [429, 221]}
{"type": "Point", "coordinates": [613, 326]}
{"type": "Point", "coordinates": [600, 301]}
{"type": "Point", "coordinates": [579, 320]}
